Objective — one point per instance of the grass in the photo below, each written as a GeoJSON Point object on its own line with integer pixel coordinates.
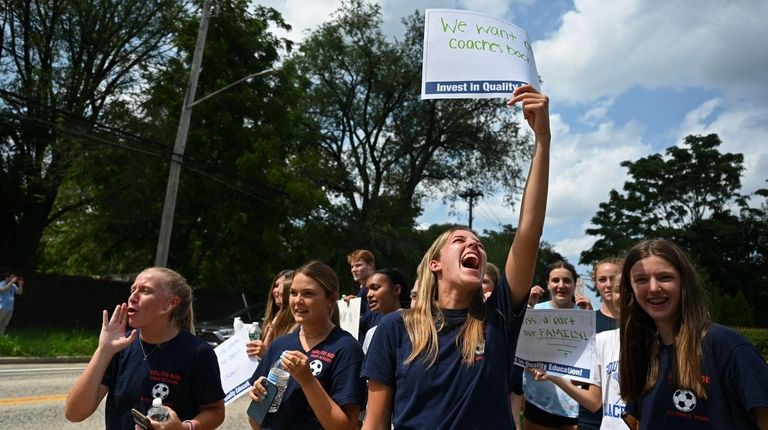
{"type": "Point", "coordinates": [48, 342]}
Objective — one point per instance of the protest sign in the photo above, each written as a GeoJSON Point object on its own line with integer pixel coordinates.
{"type": "Point", "coordinates": [472, 55]}
{"type": "Point", "coordinates": [349, 315]}
{"type": "Point", "coordinates": [235, 366]}
{"type": "Point", "coordinates": [560, 341]}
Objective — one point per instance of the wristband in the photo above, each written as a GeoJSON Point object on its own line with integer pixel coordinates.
{"type": "Point", "coordinates": [191, 424]}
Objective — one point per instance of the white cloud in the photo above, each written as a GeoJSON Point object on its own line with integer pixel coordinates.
{"type": "Point", "coordinates": [742, 129]}
{"type": "Point", "coordinates": [605, 48]}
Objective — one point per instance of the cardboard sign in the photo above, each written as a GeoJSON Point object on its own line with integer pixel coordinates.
{"type": "Point", "coordinates": [349, 315]}
{"type": "Point", "coordinates": [560, 341]}
{"type": "Point", "coordinates": [472, 55]}
{"type": "Point", "coordinates": [235, 365]}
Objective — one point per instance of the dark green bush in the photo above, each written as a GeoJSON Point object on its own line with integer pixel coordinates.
{"type": "Point", "coordinates": [758, 337]}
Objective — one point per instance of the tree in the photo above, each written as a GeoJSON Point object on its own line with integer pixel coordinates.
{"type": "Point", "coordinates": [691, 196]}
{"type": "Point", "coordinates": [241, 193]}
{"type": "Point", "coordinates": [382, 150]}
{"type": "Point", "coordinates": [62, 63]}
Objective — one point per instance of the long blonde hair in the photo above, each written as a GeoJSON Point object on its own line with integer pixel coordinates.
{"type": "Point", "coordinates": [284, 322]}
{"type": "Point", "coordinates": [426, 319]}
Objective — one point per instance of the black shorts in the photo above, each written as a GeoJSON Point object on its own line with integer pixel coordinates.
{"type": "Point", "coordinates": [544, 418]}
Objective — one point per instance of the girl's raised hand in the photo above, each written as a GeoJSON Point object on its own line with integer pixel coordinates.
{"type": "Point", "coordinates": [112, 337]}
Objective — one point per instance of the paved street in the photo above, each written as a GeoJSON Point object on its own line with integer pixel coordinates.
{"type": "Point", "coordinates": [32, 398]}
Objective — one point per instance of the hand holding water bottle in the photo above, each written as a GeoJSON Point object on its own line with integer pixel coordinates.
{"type": "Point", "coordinates": [297, 364]}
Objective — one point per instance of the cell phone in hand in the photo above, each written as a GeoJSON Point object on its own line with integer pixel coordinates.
{"type": "Point", "coordinates": [258, 410]}
{"type": "Point", "coordinates": [141, 420]}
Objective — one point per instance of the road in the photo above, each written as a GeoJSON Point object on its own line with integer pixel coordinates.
{"type": "Point", "coordinates": [32, 398]}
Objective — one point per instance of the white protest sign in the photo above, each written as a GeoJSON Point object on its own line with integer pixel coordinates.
{"type": "Point", "coordinates": [473, 55]}
{"type": "Point", "coordinates": [349, 315]}
{"type": "Point", "coordinates": [560, 341]}
{"type": "Point", "coordinates": [235, 365]}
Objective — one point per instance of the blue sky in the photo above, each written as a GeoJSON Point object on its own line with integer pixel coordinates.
{"type": "Point", "coordinates": [626, 78]}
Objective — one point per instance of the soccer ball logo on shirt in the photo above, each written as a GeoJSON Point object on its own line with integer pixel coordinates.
{"type": "Point", "coordinates": [684, 400]}
{"type": "Point", "coordinates": [160, 390]}
{"type": "Point", "coordinates": [316, 366]}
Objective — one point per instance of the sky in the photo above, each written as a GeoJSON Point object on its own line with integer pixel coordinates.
{"type": "Point", "coordinates": [626, 79]}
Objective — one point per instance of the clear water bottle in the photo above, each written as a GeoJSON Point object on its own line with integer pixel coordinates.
{"type": "Point", "coordinates": [254, 331]}
{"type": "Point", "coordinates": [158, 412]}
{"type": "Point", "coordinates": [278, 376]}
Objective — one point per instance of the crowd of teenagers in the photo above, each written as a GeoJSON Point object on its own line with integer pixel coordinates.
{"type": "Point", "coordinates": [438, 353]}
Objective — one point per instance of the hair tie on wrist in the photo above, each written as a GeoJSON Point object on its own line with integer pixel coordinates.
{"type": "Point", "coordinates": [191, 424]}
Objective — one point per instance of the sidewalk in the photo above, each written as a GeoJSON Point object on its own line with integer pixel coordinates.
{"type": "Point", "coordinates": [44, 360]}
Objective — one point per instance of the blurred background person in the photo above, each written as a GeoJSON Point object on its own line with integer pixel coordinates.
{"type": "Point", "coordinates": [278, 319]}
{"type": "Point", "coordinates": [10, 287]}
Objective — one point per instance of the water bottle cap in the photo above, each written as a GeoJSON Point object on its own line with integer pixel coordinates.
{"type": "Point", "coordinates": [156, 402]}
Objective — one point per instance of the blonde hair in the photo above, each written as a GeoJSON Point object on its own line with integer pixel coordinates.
{"type": "Point", "coordinates": [284, 321]}
{"type": "Point", "coordinates": [271, 311]}
{"type": "Point", "coordinates": [426, 319]}
{"type": "Point", "coordinates": [183, 315]}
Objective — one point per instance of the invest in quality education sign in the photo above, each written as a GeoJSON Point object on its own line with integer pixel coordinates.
{"type": "Point", "coordinates": [560, 341]}
{"type": "Point", "coordinates": [472, 55]}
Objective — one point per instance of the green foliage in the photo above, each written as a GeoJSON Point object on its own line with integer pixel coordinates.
{"type": "Point", "coordinates": [757, 337]}
{"type": "Point", "coordinates": [691, 196]}
{"type": "Point", "coordinates": [48, 342]}
{"type": "Point", "coordinates": [731, 310]}
{"type": "Point", "coordinates": [381, 149]}
{"type": "Point", "coordinates": [62, 64]}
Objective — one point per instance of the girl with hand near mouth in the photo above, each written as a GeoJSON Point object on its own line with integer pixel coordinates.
{"type": "Point", "coordinates": [678, 369]}
{"type": "Point", "coordinates": [160, 357]}
{"type": "Point", "coordinates": [324, 361]}
{"type": "Point", "coordinates": [446, 363]}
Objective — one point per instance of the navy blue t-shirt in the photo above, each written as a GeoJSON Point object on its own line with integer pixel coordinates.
{"type": "Point", "coordinates": [735, 377]}
{"type": "Point", "coordinates": [335, 362]}
{"type": "Point", "coordinates": [450, 394]}
{"type": "Point", "coordinates": [184, 372]}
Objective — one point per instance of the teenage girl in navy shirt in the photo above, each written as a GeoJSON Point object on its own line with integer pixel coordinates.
{"type": "Point", "coordinates": [446, 363]}
{"type": "Point", "coordinates": [678, 369]}
{"type": "Point", "coordinates": [325, 390]}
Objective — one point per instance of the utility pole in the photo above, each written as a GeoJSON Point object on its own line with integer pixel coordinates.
{"type": "Point", "coordinates": [169, 205]}
{"type": "Point", "coordinates": [470, 195]}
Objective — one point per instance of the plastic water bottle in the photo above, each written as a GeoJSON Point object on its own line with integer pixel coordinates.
{"type": "Point", "coordinates": [237, 324]}
{"type": "Point", "coordinates": [278, 376]}
{"type": "Point", "coordinates": [158, 412]}
{"type": "Point", "coordinates": [254, 331]}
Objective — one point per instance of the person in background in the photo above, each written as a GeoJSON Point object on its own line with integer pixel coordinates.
{"type": "Point", "coordinates": [362, 265]}
{"type": "Point", "coordinates": [446, 362]}
{"type": "Point", "coordinates": [278, 319]}
{"type": "Point", "coordinates": [546, 405]}
{"type": "Point", "coordinates": [10, 287]}
{"type": "Point", "coordinates": [490, 280]}
{"type": "Point", "coordinates": [160, 357]}
{"type": "Point", "coordinates": [605, 392]}
{"type": "Point", "coordinates": [386, 293]}
{"type": "Point", "coordinates": [605, 276]}
{"type": "Point", "coordinates": [678, 369]}
{"type": "Point", "coordinates": [414, 293]}
{"type": "Point", "coordinates": [325, 389]}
